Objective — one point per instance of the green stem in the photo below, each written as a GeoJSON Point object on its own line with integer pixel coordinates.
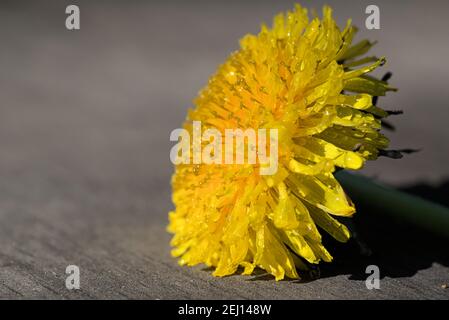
{"type": "Point", "coordinates": [409, 208]}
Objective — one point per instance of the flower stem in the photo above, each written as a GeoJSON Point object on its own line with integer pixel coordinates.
{"type": "Point", "coordinates": [408, 208]}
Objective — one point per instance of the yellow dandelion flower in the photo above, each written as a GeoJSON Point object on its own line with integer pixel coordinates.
{"type": "Point", "coordinates": [307, 80]}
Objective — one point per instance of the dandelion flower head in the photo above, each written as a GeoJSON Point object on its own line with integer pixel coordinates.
{"type": "Point", "coordinates": [307, 79]}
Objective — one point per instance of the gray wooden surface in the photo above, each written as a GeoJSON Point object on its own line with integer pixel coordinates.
{"type": "Point", "coordinates": [84, 170]}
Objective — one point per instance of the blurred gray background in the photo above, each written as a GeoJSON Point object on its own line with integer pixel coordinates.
{"type": "Point", "coordinates": [85, 118]}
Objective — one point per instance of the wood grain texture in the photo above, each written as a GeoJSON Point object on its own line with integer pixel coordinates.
{"type": "Point", "coordinates": [85, 119]}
